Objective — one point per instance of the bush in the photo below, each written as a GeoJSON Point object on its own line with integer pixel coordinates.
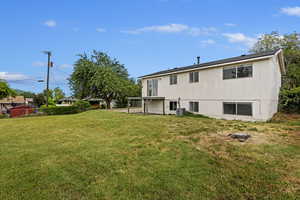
{"type": "Point", "coordinates": [82, 105]}
{"type": "Point", "coordinates": [290, 100]}
{"type": "Point", "coordinates": [49, 106]}
{"type": "Point", "coordinates": [3, 116]}
{"type": "Point", "coordinates": [62, 110]}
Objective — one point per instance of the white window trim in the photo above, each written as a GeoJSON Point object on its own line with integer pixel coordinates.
{"type": "Point", "coordinates": [236, 110]}
{"type": "Point", "coordinates": [194, 77]}
{"type": "Point", "coordinates": [236, 71]}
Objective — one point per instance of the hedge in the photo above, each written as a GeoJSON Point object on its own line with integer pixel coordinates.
{"type": "Point", "coordinates": [290, 100]}
{"type": "Point", "coordinates": [61, 110]}
{"type": "Point", "coordinates": [82, 105]}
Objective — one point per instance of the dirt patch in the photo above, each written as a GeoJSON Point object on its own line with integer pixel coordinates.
{"type": "Point", "coordinates": [279, 117]}
{"type": "Point", "coordinates": [223, 137]}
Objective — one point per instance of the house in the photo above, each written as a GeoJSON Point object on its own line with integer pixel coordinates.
{"type": "Point", "coordinates": [67, 101]}
{"type": "Point", "coordinates": [10, 102]}
{"type": "Point", "coordinates": [243, 88]}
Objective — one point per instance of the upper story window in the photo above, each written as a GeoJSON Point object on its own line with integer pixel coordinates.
{"type": "Point", "coordinates": [241, 71]}
{"type": "Point", "coordinates": [194, 77]}
{"type": "Point", "coordinates": [173, 79]}
{"type": "Point", "coordinates": [152, 87]}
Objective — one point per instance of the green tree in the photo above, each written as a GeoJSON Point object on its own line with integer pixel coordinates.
{"type": "Point", "coordinates": [58, 94]}
{"type": "Point", "coordinates": [39, 99]}
{"type": "Point", "coordinates": [26, 94]}
{"type": "Point", "coordinates": [268, 42]}
{"type": "Point", "coordinates": [79, 80]}
{"type": "Point", "coordinates": [107, 85]}
{"type": "Point", "coordinates": [101, 76]}
{"type": "Point", "coordinates": [5, 90]}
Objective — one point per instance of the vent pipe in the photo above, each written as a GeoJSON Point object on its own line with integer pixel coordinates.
{"type": "Point", "coordinates": [198, 60]}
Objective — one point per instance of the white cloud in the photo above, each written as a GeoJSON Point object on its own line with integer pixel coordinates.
{"type": "Point", "coordinates": [240, 38]}
{"type": "Point", "coordinates": [13, 77]}
{"type": "Point", "coordinates": [174, 28]}
{"type": "Point", "coordinates": [50, 23]}
{"type": "Point", "coordinates": [202, 31]}
{"type": "Point", "coordinates": [64, 66]}
{"type": "Point", "coordinates": [100, 30]}
{"type": "Point", "coordinates": [292, 11]}
{"type": "Point", "coordinates": [230, 24]}
{"type": "Point", "coordinates": [170, 28]}
{"type": "Point", "coordinates": [39, 64]}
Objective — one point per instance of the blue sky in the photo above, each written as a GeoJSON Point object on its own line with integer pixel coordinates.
{"type": "Point", "coordinates": [145, 35]}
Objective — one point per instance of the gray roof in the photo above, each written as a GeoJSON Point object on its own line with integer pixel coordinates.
{"type": "Point", "coordinates": [223, 61]}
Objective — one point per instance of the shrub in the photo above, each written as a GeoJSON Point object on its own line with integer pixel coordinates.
{"type": "Point", "coordinates": [102, 106]}
{"type": "Point", "coordinates": [3, 116]}
{"type": "Point", "coordinates": [82, 105]}
{"type": "Point", "coordinates": [290, 100]}
{"type": "Point", "coordinates": [62, 110]}
{"type": "Point", "coordinates": [49, 106]}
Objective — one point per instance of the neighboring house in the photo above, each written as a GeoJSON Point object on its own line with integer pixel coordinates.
{"type": "Point", "coordinates": [67, 101]}
{"type": "Point", "coordinates": [99, 102]}
{"type": "Point", "coordinates": [245, 88]}
{"type": "Point", "coordinates": [10, 102]}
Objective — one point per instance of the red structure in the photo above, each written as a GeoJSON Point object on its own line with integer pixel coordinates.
{"type": "Point", "coordinates": [20, 111]}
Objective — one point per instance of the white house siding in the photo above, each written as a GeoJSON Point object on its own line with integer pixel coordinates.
{"type": "Point", "coordinates": [211, 91]}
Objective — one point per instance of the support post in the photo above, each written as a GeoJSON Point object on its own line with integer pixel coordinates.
{"type": "Point", "coordinates": [128, 104]}
{"type": "Point", "coordinates": [144, 107]}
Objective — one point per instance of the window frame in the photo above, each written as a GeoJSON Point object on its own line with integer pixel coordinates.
{"type": "Point", "coordinates": [173, 102]}
{"type": "Point", "coordinates": [192, 76]}
{"type": "Point", "coordinates": [192, 106]}
{"type": "Point", "coordinates": [152, 87]}
{"type": "Point", "coordinates": [173, 79]}
{"type": "Point", "coordinates": [237, 110]}
{"type": "Point", "coordinates": [237, 67]}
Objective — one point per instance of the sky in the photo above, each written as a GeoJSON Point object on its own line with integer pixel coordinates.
{"type": "Point", "coordinates": [144, 35]}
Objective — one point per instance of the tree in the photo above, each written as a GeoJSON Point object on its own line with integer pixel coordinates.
{"type": "Point", "coordinates": [79, 80]}
{"type": "Point", "coordinates": [107, 85]}
{"type": "Point", "coordinates": [100, 76]}
{"type": "Point", "coordinates": [5, 90]}
{"type": "Point", "coordinates": [26, 94]}
{"type": "Point", "coordinates": [58, 94]}
{"type": "Point", "coordinates": [39, 99]}
{"type": "Point", "coordinates": [132, 89]}
{"type": "Point", "coordinates": [268, 42]}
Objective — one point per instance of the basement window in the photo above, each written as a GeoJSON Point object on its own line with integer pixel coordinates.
{"type": "Point", "coordinates": [194, 106]}
{"type": "Point", "coordinates": [173, 105]}
{"type": "Point", "coordinates": [239, 108]}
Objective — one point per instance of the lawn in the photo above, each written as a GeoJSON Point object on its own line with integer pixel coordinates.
{"type": "Point", "coordinates": [111, 155]}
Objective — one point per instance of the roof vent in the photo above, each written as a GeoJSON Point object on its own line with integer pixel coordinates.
{"type": "Point", "coordinates": [243, 55]}
{"type": "Point", "coordinates": [198, 60]}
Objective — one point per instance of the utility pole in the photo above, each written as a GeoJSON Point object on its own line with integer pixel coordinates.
{"type": "Point", "coordinates": [48, 71]}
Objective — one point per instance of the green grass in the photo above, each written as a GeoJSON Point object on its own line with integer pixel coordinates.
{"type": "Point", "coordinates": [110, 155]}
